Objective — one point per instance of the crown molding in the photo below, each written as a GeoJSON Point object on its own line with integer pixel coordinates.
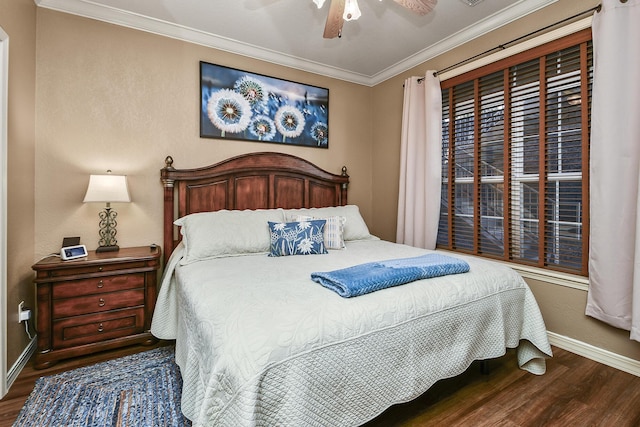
{"type": "Point", "coordinates": [136, 21]}
{"type": "Point", "coordinates": [497, 20]}
{"type": "Point", "coordinates": [88, 9]}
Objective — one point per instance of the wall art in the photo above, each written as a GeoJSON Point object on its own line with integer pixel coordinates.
{"type": "Point", "coordinates": [239, 105]}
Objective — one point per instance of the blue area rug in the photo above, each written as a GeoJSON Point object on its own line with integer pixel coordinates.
{"type": "Point", "coordinates": [143, 389]}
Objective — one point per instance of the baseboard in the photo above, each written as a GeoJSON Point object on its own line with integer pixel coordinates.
{"type": "Point", "coordinates": [21, 362]}
{"type": "Point", "coordinates": [589, 351]}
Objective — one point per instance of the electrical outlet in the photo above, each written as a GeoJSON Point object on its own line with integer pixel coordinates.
{"type": "Point", "coordinates": [20, 307]}
{"type": "Point", "coordinates": [23, 313]}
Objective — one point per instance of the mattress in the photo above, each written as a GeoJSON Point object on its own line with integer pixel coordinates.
{"type": "Point", "coordinates": [259, 343]}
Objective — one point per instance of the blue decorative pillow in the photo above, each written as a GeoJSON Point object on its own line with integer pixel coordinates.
{"type": "Point", "coordinates": [297, 238]}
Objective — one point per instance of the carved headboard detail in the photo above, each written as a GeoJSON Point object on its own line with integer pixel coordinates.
{"type": "Point", "coordinates": [250, 181]}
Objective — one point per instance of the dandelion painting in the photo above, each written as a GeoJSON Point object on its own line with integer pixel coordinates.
{"type": "Point", "coordinates": [238, 105]}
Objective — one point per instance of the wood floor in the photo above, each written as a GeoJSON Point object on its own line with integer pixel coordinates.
{"type": "Point", "coordinates": [574, 392]}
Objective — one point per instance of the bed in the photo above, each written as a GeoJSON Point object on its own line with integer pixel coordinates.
{"type": "Point", "coordinates": [258, 342]}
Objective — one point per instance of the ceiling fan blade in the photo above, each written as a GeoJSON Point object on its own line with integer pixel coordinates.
{"type": "Point", "coordinates": [333, 27]}
{"type": "Point", "coordinates": [421, 7]}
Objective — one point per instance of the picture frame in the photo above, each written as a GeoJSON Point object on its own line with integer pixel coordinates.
{"type": "Point", "coordinates": [240, 105]}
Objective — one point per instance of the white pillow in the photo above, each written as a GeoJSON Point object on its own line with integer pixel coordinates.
{"type": "Point", "coordinates": [333, 230]}
{"type": "Point", "coordinates": [354, 227]}
{"type": "Point", "coordinates": [226, 233]}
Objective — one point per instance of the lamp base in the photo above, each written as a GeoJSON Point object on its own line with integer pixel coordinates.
{"type": "Point", "coordinates": [112, 248]}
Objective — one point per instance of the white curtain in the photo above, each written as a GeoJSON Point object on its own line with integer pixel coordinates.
{"type": "Point", "coordinates": [420, 162]}
{"type": "Point", "coordinates": [614, 256]}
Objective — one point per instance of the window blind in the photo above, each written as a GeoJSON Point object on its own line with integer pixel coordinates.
{"type": "Point", "coordinates": [515, 139]}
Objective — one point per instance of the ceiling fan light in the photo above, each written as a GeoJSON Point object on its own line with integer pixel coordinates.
{"type": "Point", "coordinates": [319, 3]}
{"type": "Point", "coordinates": [351, 11]}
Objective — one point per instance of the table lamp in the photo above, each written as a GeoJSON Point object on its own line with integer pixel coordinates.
{"type": "Point", "coordinates": [108, 189]}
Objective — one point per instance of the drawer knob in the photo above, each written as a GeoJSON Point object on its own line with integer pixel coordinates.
{"type": "Point", "coordinates": [100, 328]}
{"type": "Point", "coordinates": [99, 268]}
{"type": "Point", "coordinates": [101, 302]}
{"type": "Point", "coordinates": [100, 284]}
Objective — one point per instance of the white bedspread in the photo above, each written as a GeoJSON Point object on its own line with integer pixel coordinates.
{"type": "Point", "coordinates": [259, 343]}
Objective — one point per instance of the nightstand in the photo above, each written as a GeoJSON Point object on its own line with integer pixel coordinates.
{"type": "Point", "coordinates": [100, 302]}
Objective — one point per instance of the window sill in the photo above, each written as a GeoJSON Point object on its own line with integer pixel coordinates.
{"type": "Point", "coordinates": [552, 277]}
{"type": "Point", "coordinates": [536, 273]}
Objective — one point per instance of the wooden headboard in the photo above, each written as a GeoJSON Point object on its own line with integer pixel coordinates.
{"type": "Point", "coordinates": [249, 181]}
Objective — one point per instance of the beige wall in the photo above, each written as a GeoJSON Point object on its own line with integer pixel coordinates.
{"type": "Point", "coordinates": [121, 99]}
{"type": "Point", "coordinates": [563, 312]}
{"type": "Point", "coordinates": [18, 20]}
{"type": "Point", "coordinates": [562, 308]}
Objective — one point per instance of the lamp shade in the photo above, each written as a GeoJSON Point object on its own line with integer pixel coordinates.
{"type": "Point", "coordinates": [107, 188]}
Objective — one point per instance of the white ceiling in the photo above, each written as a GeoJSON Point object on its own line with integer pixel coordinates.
{"type": "Point", "coordinates": [385, 41]}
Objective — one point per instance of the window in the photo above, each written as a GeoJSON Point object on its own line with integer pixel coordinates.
{"type": "Point", "coordinates": [515, 139]}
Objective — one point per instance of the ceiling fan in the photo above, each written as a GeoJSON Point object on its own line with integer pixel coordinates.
{"type": "Point", "coordinates": [348, 10]}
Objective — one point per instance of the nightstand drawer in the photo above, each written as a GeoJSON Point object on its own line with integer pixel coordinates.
{"type": "Point", "coordinates": [97, 303]}
{"type": "Point", "coordinates": [71, 270]}
{"type": "Point", "coordinates": [97, 285]}
{"type": "Point", "coordinates": [97, 327]}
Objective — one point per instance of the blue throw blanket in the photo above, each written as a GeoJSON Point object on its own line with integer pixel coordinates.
{"type": "Point", "coordinates": [373, 276]}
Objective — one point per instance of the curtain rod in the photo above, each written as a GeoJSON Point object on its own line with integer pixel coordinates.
{"type": "Point", "coordinates": [505, 45]}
